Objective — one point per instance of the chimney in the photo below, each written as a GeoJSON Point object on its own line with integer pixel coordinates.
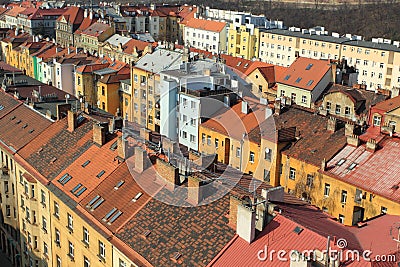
{"type": "Point", "coordinates": [195, 190]}
{"type": "Point", "coordinates": [334, 67]}
{"type": "Point", "coordinates": [169, 145]}
{"type": "Point", "coordinates": [167, 172]}
{"type": "Point", "coordinates": [91, 14]}
{"type": "Point", "coordinates": [371, 145]}
{"type": "Point", "coordinates": [245, 107]}
{"type": "Point", "coordinates": [323, 164]}
{"type": "Point", "coordinates": [233, 209]}
{"type": "Point", "coordinates": [72, 123]}
{"type": "Point", "coordinates": [85, 13]}
{"type": "Point", "coordinates": [121, 147]}
{"type": "Point", "coordinates": [145, 134]}
{"type": "Point", "coordinates": [277, 106]}
{"type": "Point", "coordinates": [353, 140]}
{"type": "Point", "coordinates": [99, 134]}
{"type": "Point", "coordinates": [349, 129]}
{"type": "Point", "coordinates": [246, 223]}
{"type": "Point", "coordinates": [62, 110]}
{"type": "Point", "coordinates": [332, 124]}
{"type": "Point", "coordinates": [142, 161]}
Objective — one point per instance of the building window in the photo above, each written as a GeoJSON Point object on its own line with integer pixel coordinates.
{"type": "Point", "coordinates": [347, 111]}
{"type": "Point", "coordinates": [86, 262]}
{"type": "Point", "coordinates": [338, 109]}
{"type": "Point", "coordinates": [57, 240]}
{"type": "Point", "coordinates": [45, 249]}
{"type": "Point", "coordinates": [192, 138]}
{"type": "Point", "coordinates": [208, 140]}
{"type": "Point", "coordinates": [102, 91]}
{"type": "Point", "coordinates": [268, 154]}
{"type": "Point", "coordinates": [383, 210]}
{"type": "Point", "coordinates": [216, 143]}
{"type": "Point", "coordinates": [70, 249]}
{"type": "Point", "coordinates": [58, 261]}
{"type": "Point", "coordinates": [292, 173]}
{"type": "Point", "coordinates": [193, 122]}
{"type": "Point", "coordinates": [238, 152]}
{"type": "Point", "coordinates": [327, 190]}
{"type": "Point", "coordinates": [266, 176]}
{"type": "Point", "coordinates": [343, 198]}
{"type": "Point", "coordinates": [310, 180]}
{"type": "Point", "coordinates": [293, 97]}
{"type": "Point", "coordinates": [8, 211]}
{"type": "Point", "coordinates": [70, 222]}
{"type": "Point", "coordinates": [102, 250]}
{"type": "Point", "coordinates": [121, 263]}
{"type": "Point", "coordinates": [192, 104]}
{"type": "Point", "coordinates": [341, 218]}
{"type": "Point", "coordinates": [32, 191]}
{"type": "Point", "coordinates": [251, 157]}
{"type": "Point", "coordinates": [328, 106]}
{"type": "Point", "coordinates": [282, 92]}
{"type": "Point", "coordinates": [56, 210]}
{"type": "Point", "coordinates": [85, 235]}
{"type": "Point", "coordinates": [304, 99]}
{"type": "Point", "coordinates": [79, 80]}
{"type": "Point", "coordinates": [203, 138]}
{"type": "Point", "coordinates": [377, 120]}
{"type": "Point", "coordinates": [184, 134]}
{"type": "Point", "coordinates": [44, 224]}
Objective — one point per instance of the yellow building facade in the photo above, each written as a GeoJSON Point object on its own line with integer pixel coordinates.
{"type": "Point", "coordinates": [244, 43]}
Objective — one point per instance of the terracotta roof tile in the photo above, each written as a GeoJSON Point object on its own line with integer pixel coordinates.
{"type": "Point", "coordinates": [389, 104]}
{"type": "Point", "coordinates": [96, 29]}
{"type": "Point", "coordinates": [15, 11]}
{"type": "Point", "coordinates": [373, 171]}
{"type": "Point", "coordinates": [57, 148]}
{"type": "Point", "coordinates": [305, 73]}
{"type": "Point", "coordinates": [140, 46]}
{"type": "Point", "coordinates": [207, 25]}
{"type": "Point", "coordinates": [7, 103]}
{"type": "Point", "coordinates": [74, 15]}
{"type": "Point", "coordinates": [85, 24]}
{"type": "Point", "coordinates": [20, 126]}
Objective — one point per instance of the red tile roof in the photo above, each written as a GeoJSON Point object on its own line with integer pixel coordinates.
{"type": "Point", "coordinates": [15, 11]}
{"type": "Point", "coordinates": [85, 24]}
{"type": "Point", "coordinates": [373, 171]}
{"type": "Point", "coordinates": [20, 126]}
{"type": "Point", "coordinates": [305, 73]}
{"type": "Point", "coordinates": [207, 25]}
{"type": "Point", "coordinates": [8, 68]}
{"type": "Point", "coordinates": [100, 159]}
{"type": "Point", "coordinates": [73, 15]}
{"type": "Point", "coordinates": [389, 105]}
{"type": "Point", "coordinates": [96, 29]}
{"type": "Point", "coordinates": [47, 12]}
{"type": "Point", "coordinates": [139, 45]}
{"type": "Point", "coordinates": [120, 198]}
{"type": "Point", "coordinates": [234, 123]}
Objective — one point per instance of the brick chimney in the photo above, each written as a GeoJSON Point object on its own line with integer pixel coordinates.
{"type": "Point", "coordinates": [72, 122]}
{"type": "Point", "coordinates": [353, 140]}
{"type": "Point", "coordinates": [142, 161]}
{"type": "Point", "coordinates": [371, 145]}
{"type": "Point", "coordinates": [99, 134]}
{"type": "Point", "coordinates": [168, 172]}
{"type": "Point", "coordinates": [246, 223]}
{"type": "Point", "coordinates": [195, 190]}
{"type": "Point", "coordinates": [349, 129]}
{"type": "Point", "coordinates": [121, 147]}
{"type": "Point", "coordinates": [234, 202]}
{"type": "Point", "coordinates": [332, 124]}
{"type": "Point", "coordinates": [168, 144]}
{"type": "Point", "coordinates": [323, 164]}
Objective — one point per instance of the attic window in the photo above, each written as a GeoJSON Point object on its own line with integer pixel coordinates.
{"type": "Point", "coordinates": [83, 189]}
{"type": "Point", "coordinates": [108, 215]}
{"type": "Point", "coordinates": [136, 198]}
{"type": "Point", "coordinates": [287, 77]}
{"type": "Point", "coordinates": [119, 184]}
{"type": "Point", "coordinates": [53, 160]}
{"type": "Point", "coordinates": [12, 118]}
{"type": "Point", "coordinates": [238, 64]}
{"type": "Point", "coordinates": [298, 230]}
{"type": "Point", "coordinates": [395, 187]}
{"type": "Point", "coordinates": [1, 107]}
{"type": "Point", "coordinates": [176, 256]}
{"type": "Point", "coordinates": [310, 82]}
{"type": "Point", "coordinates": [298, 80]}
{"type": "Point", "coordinates": [85, 163]}
{"type": "Point", "coordinates": [64, 179]}
{"type": "Point", "coordinates": [95, 202]}
{"type": "Point", "coordinates": [340, 162]}
{"type": "Point", "coordinates": [26, 125]}
{"type": "Point", "coordinates": [146, 233]}
{"type": "Point", "coordinates": [18, 122]}
{"type": "Point", "coordinates": [309, 66]}
{"type": "Point", "coordinates": [246, 65]}
{"type": "Point", "coordinates": [31, 131]}
{"type": "Point", "coordinates": [352, 166]}
{"type": "Point", "coordinates": [116, 215]}
{"type": "Point", "coordinates": [100, 174]}
{"type": "Point", "coordinates": [114, 146]}
{"type": "Point", "coordinates": [76, 188]}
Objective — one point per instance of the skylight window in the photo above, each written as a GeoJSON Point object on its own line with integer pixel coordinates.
{"type": "Point", "coordinates": [136, 198]}
{"type": "Point", "coordinates": [108, 215]}
{"type": "Point", "coordinates": [310, 82]}
{"type": "Point", "coordinates": [298, 80]}
{"type": "Point", "coordinates": [97, 204]}
{"type": "Point", "coordinates": [1, 107]}
{"type": "Point", "coordinates": [287, 77]}
{"type": "Point", "coordinates": [93, 200]}
{"type": "Point", "coordinates": [64, 179]}
{"type": "Point", "coordinates": [79, 119]}
{"type": "Point", "coordinates": [100, 174]}
{"type": "Point", "coordinates": [76, 188]}
{"type": "Point", "coordinates": [238, 64]}
{"type": "Point", "coordinates": [116, 215]}
{"type": "Point", "coordinates": [83, 189]}
{"type": "Point", "coordinates": [309, 66]}
{"type": "Point", "coordinates": [352, 166]}
{"type": "Point", "coordinates": [26, 125]}
{"type": "Point", "coordinates": [340, 162]}
{"type": "Point", "coordinates": [85, 163]}
{"type": "Point", "coordinates": [119, 184]}
{"type": "Point", "coordinates": [114, 146]}
{"type": "Point", "coordinates": [298, 230]}
{"type": "Point", "coordinates": [246, 65]}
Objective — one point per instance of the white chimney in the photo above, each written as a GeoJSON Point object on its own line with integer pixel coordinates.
{"type": "Point", "coordinates": [85, 13]}
{"type": "Point", "coordinates": [245, 108]}
{"type": "Point", "coordinates": [246, 223]}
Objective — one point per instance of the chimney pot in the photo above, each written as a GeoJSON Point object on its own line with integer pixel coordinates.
{"type": "Point", "coordinates": [349, 128]}
{"type": "Point", "coordinates": [353, 140]}
{"type": "Point", "coordinates": [332, 124]}
{"type": "Point", "coordinates": [371, 145]}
